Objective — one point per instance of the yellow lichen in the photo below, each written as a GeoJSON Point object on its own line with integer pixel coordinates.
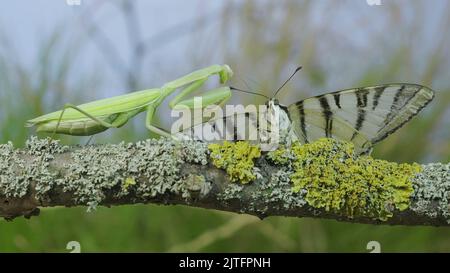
{"type": "Point", "coordinates": [280, 156]}
{"type": "Point", "coordinates": [338, 181]}
{"type": "Point", "coordinates": [236, 158]}
{"type": "Point", "coordinates": [129, 181]}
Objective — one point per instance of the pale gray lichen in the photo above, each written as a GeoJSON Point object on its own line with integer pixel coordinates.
{"type": "Point", "coordinates": [277, 194]}
{"type": "Point", "coordinates": [147, 169]}
{"type": "Point", "coordinates": [194, 152]}
{"type": "Point", "coordinates": [95, 170]}
{"type": "Point", "coordinates": [44, 147]}
{"type": "Point", "coordinates": [230, 192]}
{"type": "Point", "coordinates": [157, 160]}
{"type": "Point", "coordinates": [431, 196]}
{"type": "Point", "coordinates": [279, 191]}
{"type": "Point", "coordinates": [257, 173]}
{"type": "Point", "coordinates": [12, 184]}
{"type": "Point", "coordinates": [18, 168]}
{"type": "Point", "coordinates": [38, 170]}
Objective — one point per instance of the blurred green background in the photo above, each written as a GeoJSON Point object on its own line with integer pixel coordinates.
{"type": "Point", "coordinates": [52, 52]}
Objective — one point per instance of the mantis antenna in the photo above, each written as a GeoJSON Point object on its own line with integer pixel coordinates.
{"type": "Point", "coordinates": [281, 87]}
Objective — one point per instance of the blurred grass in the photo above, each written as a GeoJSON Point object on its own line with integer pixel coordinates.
{"type": "Point", "coordinates": [263, 42]}
{"type": "Point", "coordinates": [153, 228]}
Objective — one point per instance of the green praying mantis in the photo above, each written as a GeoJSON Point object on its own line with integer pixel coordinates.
{"type": "Point", "coordinates": [97, 116]}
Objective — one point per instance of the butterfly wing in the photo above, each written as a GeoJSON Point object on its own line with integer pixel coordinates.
{"type": "Point", "coordinates": [363, 116]}
{"type": "Point", "coordinates": [241, 124]}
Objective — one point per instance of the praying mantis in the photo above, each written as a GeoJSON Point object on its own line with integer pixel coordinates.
{"type": "Point", "coordinates": [100, 115]}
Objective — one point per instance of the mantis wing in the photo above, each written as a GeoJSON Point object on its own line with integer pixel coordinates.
{"type": "Point", "coordinates": [104, 107]}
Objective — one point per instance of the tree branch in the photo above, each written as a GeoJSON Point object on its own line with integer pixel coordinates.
{"type": "Point", "coordinates": [46, 174]}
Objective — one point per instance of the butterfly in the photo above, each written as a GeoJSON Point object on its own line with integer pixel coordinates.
{"type": "Point", "coordinates": [363, 116]}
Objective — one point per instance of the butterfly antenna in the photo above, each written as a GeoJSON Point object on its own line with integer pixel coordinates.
{"type": "Point", "coordinates": [281, 87]}
{"type": "Point", "coordinates": [248, 92]}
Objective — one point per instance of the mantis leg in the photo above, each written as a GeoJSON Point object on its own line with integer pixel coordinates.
{"type": "Point", "coordinates": [119, 121]}
{"type": "Point", "coordinates": [216, 96]}
{"type": "Point", "coordinates": [89, 140]}
{"type": "Point", "coordinates": [194, 81]}
{"type": "Point", "coordinates": [186, 91]}
{"type": "Point", "coordinates": [148, 123]}
{"type": "Point", "coordinates": [219, 95]}
{"type": "Point", "coordinates": [224, 72]}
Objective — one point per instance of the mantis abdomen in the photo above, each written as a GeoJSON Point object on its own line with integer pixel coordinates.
{"type": "Point", "coordinates": [80, 127]}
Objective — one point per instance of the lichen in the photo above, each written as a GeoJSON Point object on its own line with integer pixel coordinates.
{"type": "Point", "coordinates": [39, 170]}
{"type": "Point", "coordinates": [197, 185]}
{"type": "Point", "coordinates": [278, 191]}
{"type": "Point", "coordinates": [140, 171]}
{"type": "Point", "coordinates": [230, 192]}
{"type": "Point", "coordinates": [431, 196]}
{"type": "Point", "coordinates": [12, 184]}
{"type": "Point", "coordinates": [325, 174]}
{"type": "Point", "coordinates": [336, 180]}
{"type": "Point", "coordinates": [129, 181]}
{"type": "Point", "coordinates": [157, 160]}
{"type": "Point", "coordinates": [45, 146]}
{"type": "Point", "coordinates": [95, 170]}
{"type": "Point", "coordinates": [18, 168]}
{"type": "Point", "coordinates": [194, 152]}
{"type": "Point", "coordinates": [281, 156]}
{"type": "Point", "coordinates": [237, 159]}
{"type": "Point", "coordinates": [263, 195]}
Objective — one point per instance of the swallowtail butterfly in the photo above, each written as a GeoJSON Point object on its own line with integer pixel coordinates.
{"type": "Point", "coordinates": [363, 116]}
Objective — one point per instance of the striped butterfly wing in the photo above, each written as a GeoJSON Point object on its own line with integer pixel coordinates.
{"type": "Point", "coordinates": [363, 116]}
{"type": "Point", "coordinates": [266, 126]}
{"type": "Point", "coordinates": [240, 125]}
